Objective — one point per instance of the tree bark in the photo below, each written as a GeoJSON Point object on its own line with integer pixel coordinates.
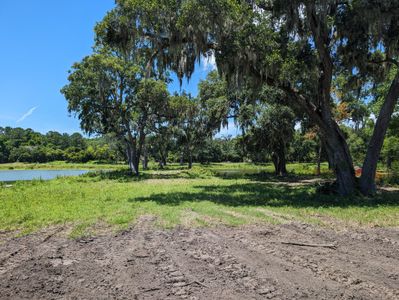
{"type": "Point", "coordinates": [282, 165]}
{"type": "Point", "coordinates": [275, 163]}
{"type": "Point", "coordinates": [163, 156]}
{"type": "Point", "coordinates": [243, 145]}
{"type": "Point", "coordinates": [341, 161]}
{"type": "Point", "coordinates": [190, 159]}
{"type": "Point", "coordinates": [132, 158]}
{"type": "Point", "coordinates": [133, 154]}
{"type": "Point", "coordinates": [336, 146]}
{"type": "Point", "coordinates": [145, 158]}
{"type": "Point", "coordinates": [318, 170]}
{"type": "Point", "coordinates": [279, 161]}
{"type": "Point", "coordinates": [367, 180]}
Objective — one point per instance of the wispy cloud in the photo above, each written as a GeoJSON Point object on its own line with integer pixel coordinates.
{"type": "Point", "coordinates": [27, 114]}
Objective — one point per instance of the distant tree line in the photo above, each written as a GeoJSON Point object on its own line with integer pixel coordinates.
{"type": "Point", "coordinates": [26, 145]}
{"type": "Point", "coordinates": [190, 134]}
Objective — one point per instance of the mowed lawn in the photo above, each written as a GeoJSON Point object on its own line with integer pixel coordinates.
{"type": "Point", "coordinates": [219, 194]}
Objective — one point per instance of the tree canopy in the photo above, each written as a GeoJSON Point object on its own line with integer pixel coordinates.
{"type": "Point", "coordinates": [326, 60]}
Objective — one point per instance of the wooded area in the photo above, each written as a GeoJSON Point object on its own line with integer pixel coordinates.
{"type": "Point", "coordinates": [328, 65]}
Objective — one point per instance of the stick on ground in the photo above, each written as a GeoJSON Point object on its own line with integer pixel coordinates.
{"type": "Point", "coordinates": [331, 246]}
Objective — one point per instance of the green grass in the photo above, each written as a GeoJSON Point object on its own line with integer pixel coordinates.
{"type": "Point", "coordinates": [203, 196]}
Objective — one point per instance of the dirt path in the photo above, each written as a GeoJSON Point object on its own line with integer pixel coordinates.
{"type": "Point", "coordinates": [218, 263]}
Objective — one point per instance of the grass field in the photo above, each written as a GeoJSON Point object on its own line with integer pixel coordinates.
{"type": "Point", "coordinates": [229, 194]}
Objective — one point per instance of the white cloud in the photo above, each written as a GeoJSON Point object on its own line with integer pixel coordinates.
{"type": "Point", "coordinates": [27, 114]}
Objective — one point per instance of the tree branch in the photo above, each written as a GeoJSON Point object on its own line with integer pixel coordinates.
{"type": "Point", "coordinates": [387, 60]}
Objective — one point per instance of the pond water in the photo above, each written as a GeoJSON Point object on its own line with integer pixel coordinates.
{"type": "Point", "coordinates": [15, 175]}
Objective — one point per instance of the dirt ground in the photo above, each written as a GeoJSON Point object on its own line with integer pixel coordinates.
{"type": "Point", "coordinates": [252, 262]}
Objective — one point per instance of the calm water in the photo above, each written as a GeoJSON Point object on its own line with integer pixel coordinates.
{"type": "Point", "coordinates": [14, 175]}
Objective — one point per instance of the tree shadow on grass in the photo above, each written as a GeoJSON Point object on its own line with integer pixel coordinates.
{"type": "Point", "coordinates": [268, 194]}
{"type": "Point", "coordinates": [268, 176]}
{"type": "Point", "coordinates": [125, 175]}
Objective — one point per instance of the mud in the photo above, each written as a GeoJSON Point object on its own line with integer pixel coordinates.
{"type": "Point", "coordinates": [250, 262]}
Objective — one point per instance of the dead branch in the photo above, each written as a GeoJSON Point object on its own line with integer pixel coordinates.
{"type": "Point", "coordinates": [197, 282]}
{"type": "Point", "coordinates": [52, 234]}
{"type": "Point", "coordinates": [331, 246]}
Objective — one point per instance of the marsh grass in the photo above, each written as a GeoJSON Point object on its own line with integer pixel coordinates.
{"type": "Point", "coordinates": [175, 196]}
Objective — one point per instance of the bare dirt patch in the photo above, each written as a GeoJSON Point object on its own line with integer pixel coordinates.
{"type": "Point", "coordinates": [250, 262]}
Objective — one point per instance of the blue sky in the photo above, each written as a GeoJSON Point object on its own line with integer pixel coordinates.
{"type": "Point", "coordinates": [40, 41]}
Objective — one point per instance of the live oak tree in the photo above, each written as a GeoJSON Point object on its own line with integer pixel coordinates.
{"type": "Point", "coordinates": [214, 96]}
{"type": "Point", "coordinates": [190, 126]}
{"type": "Point", "coordinates": [110, 94]}
{"type": "Point", "coordinates": [197, 119]}
{"type": "Point", "coordinates": [390, 150]}
{"type": "Point", "coordinates": [273, 132]}
{"type": "Point", "coordinates": [296, 46]}
{"type": "Point", "coordinates": [160, 142]}
{"type": "Point", "coordinates": [225, 103]}
{"type": "Point", "coordinates": [358, 37]}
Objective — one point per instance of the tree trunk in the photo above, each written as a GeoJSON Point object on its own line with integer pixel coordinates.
{"type": "Point", "coordinates": [280, 163]}
{"type": "Point", "coordinates": [145, 158]}
{"type": "Point", "coordinates": [336, 146]}
{"type": "Point", "coordinates": [145, 162]}
{"type": "Point", "coordinates": [341, 161]}
{"type": "Point", "coordinates": [389, 162]}
{"type": "Point", "coordinates": [182, 158]}
{"type": "Point", "coordinates": [132, 153]}
{"type": "Point", "coordinates": [318, 170]}
{"type": "Point", "coordinates": [190, 160]}
{"type": "Point", "coordinates": [243, 145]}
{"type": "Point", "coordinates": [367, 180]}
{"type": "Point", "coordinates": [163, 155]}
{"type": "Point", "coordinates": [275, 163]}
{"type": "Point", "coordinates": [132, 159]}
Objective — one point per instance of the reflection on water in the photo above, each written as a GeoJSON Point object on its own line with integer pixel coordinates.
{"type": "Point", "coordinates": [15, 175]}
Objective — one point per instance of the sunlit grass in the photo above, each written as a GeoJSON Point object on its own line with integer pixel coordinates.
{"type": "Point", "coordinates": [198, 197]}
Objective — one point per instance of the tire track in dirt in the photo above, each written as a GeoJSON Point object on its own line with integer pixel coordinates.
{"type": "Point", "coordinates": [345, 266]}
{"type": "Point", "coordinates": [252, 269]}
{"type": "Point", "coordinates": [204, 263]}
{"type": "Point", "coordinates": [210, 253]}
